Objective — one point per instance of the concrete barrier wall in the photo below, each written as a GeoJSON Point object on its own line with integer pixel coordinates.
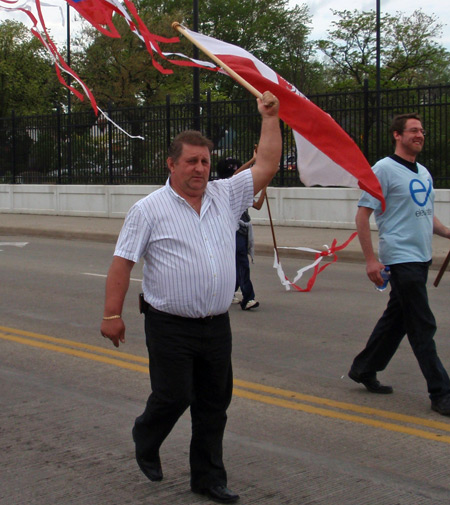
{"type": "Point", "coordinates": [305, 207]}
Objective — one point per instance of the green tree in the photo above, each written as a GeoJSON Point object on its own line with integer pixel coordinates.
{"type": "Point", "coordinates": [28, 83]}
{"type": "Point", "coordinates": [409, 53]}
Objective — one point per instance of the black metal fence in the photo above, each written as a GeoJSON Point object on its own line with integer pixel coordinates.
{"type": "Point", "coordinates": [80, 148]}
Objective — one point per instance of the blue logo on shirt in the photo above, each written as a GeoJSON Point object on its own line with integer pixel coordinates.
{"type": "Point", "coordinates": [419, 192]}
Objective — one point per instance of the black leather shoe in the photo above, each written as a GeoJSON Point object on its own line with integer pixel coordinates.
{"type": "Point", "coordinates": [371, 383]}
{"type": "Point", "coordinates": [441, 405]}
{"type": "Point", "coordinates": [218, 493]}
{"type": "Point", "coordinates": [151, 469]}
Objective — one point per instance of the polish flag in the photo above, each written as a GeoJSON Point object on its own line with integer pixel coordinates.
{"type": "Point", "coordinates": [326, 154]}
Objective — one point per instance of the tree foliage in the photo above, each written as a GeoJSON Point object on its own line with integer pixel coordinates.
{"type": "Point", "coordinates": [28, 84]}
{"type": "Point", "coordinates": [409, 53]}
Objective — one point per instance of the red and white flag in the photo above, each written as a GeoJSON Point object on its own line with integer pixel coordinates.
{"type": "Point", "coordinates": [326, 154]}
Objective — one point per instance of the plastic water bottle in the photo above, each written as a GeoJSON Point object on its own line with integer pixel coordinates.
{"type": "Point", "coordinates": [385, 275]}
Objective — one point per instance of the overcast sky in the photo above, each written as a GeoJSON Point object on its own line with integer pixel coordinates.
{"type": "Point", "coordinates": [322, 16]}
{"type": "Point", "coordinates": [320, 11]}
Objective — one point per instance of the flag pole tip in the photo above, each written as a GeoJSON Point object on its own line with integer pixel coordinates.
{"type": "Point", "coordinates": [175, 25]}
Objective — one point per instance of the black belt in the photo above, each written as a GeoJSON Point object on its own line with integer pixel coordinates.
{"type": "Point", "coordinates": [145, 308]}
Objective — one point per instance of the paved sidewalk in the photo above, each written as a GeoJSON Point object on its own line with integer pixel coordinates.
{"type": "Point", "coordinates": [107, 230]}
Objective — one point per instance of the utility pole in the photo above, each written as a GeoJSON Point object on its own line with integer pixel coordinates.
{"type": "Point", "coordinates": [377, 83]}
{"type": "Point", "coordinates": [69, 104]}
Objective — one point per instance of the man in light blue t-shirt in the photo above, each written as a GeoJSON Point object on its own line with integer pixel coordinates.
{"type": "Point", "coordinates": [405, 236]}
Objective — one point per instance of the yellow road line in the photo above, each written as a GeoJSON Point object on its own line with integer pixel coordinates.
{"type": "Point", "coordinates": [75, 352]}
{"type": "Point", "coordinates": [265, 394]}
{"type": "Point", "coordinates": [73, 343]}
{"type": "Point", "coordinates": [344, 406]}
{"type": "Point", "coordinates": [340, 415]}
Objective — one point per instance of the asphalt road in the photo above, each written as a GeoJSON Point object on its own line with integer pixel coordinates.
{"type": "Point", "coordinates": [299, 431]}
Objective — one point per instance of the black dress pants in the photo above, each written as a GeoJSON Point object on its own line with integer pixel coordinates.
{"type": "Point", "coordinates": [407, 312]}
{"type": "Point", "coordinates": [190, 366]}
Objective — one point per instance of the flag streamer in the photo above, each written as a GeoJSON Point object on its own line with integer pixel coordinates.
{"type": "Point", "coordinates": [319, 256]}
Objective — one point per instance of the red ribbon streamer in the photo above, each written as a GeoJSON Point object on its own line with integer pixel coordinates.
{"type": "Point", "coordinates": [330, 252]}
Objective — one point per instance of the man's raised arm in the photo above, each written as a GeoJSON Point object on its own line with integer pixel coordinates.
{"type": "Point", "coordinates": [270, 144]}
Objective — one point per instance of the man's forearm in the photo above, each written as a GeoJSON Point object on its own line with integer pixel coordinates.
{"type": "Point", "coordinates": [364, 234]}
{"type": "Point", "coordinates": [269, 153]}
{"type": "Point", "coordinates": [117, 283]}
{"type": "Point", "coordinates": [440, 229]}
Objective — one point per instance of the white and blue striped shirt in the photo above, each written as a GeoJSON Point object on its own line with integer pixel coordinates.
{"type": "Point", "coordinates": [189, 259]}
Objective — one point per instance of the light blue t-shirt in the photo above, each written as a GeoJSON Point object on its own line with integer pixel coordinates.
{"type": "Point", "coordinates": [406, 226]}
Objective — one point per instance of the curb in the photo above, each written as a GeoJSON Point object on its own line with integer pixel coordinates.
{"type": "Point", "coordinates": [59, 234]}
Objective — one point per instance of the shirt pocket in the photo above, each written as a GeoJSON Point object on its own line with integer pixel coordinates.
{"type": "Point", "coordinates": [221, 229]}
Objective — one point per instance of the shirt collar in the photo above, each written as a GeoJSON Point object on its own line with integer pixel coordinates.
{"type": "Point", "coordinates": [206, 198]}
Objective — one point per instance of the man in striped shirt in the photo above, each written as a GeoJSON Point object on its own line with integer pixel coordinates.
{"type": "Point", "coordinates": [185, 231]}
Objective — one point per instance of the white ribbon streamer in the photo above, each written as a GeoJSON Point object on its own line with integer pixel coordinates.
{"type": "Point", "coordinates": [282, 276]}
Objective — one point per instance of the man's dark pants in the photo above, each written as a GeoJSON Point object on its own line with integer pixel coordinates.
{"type": "Point", "coordinates": [243, 269]}
{"type": "Point", "coordinates": [408, 312]}
{"type": "Point", "coordinates": [190, 365]}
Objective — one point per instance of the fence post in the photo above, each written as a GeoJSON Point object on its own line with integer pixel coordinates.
{"type": "Point", "coordinates": [208, 114]}
{"type": "Point", "coordinates": [58, 136]}
{"type": "Point", "coordinates": [283, 135]}
{"type": "Point", "coordinates": [69, 145]}
{"type": "Point", "coordinates": [366, 118]}
{"type": "Point", "coordinates": [110, 147]}
{"type": "Point", "coordinates": [168, 136]}
{"type": "Point", "coordinates": [13, 145]}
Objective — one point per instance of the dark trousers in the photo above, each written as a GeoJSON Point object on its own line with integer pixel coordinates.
{"type": "Point", "coordinates": [243, 269]}
{"type": "Point", "coordinates": [407, 312]}
{"type": "Point", "coordinates": [190, 365]}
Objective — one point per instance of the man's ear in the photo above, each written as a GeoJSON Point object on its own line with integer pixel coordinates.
{"type": "Point", "coordinates": [170, 164]}
{"type": "Point", "coordinates": [396, 135]}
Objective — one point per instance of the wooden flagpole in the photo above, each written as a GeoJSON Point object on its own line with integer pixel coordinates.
{"type": "Point", "coordinates": [180, 28]}
{"type": "Point", "coordinates": [442, 270]}
{"type": "Point", "coordinates": [272, 229]}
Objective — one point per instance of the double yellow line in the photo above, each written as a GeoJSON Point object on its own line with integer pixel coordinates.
{"type": "Point", "coordinates": [292, 400]}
